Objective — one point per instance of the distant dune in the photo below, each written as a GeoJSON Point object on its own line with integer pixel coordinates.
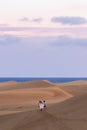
{"type": "Point", "coordinates": [20, 85]}
{"type": "Point", "coordinates": [66, 105]}
{"type": "Point", "coordinates": [75, 87]}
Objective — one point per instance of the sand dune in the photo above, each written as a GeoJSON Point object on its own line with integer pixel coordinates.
{"type": "Point", "coordinates": [20, 85]}
{"type": "Point", "coordinates": [68, 115]}
{"type": "Point", "coordinates": [18, 97]}
{"type": "Point", "coordinates": [19, 110]}
{"type": "Point", "coordinates": [25, 96]}
{"type": "Point", "coordinates": [75, 87]}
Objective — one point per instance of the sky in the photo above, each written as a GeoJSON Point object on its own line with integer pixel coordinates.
{"type": "Point", "coordinates": [43, 38]}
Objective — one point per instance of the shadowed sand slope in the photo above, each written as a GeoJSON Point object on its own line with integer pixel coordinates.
{"type": "Point", "coordinates": [72, 112]}
{"type": "Point", "coordinates": [75, 87]}
{"type": "Point", "coordinates": [68, 115]}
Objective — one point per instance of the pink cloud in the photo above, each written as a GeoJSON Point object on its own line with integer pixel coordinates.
{"type": "Point", "coordinates": [38, 31]}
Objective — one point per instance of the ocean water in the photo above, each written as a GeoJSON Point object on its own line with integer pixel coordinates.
{"type": "Point", "coordinates": [54, 80]}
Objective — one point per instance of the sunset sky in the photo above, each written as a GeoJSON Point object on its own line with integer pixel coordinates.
{"type": "Point", "coordinates": [43, 38]}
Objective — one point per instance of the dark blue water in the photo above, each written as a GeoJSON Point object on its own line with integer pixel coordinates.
{"type": "Point", "coordinates": [54, 80]}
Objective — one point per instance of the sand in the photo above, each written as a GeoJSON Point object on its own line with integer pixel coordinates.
{"type": "Point", "coordinates": [66, 106]}
{"type": "Point", "coordinates": [75, 87]}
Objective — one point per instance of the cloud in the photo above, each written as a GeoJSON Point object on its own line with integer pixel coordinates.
{"type": "Point", "coordinates": [10, 28]}
{"type": "Point", "coordinates": [9, 39]}
{"type": "Point", "coordinates": [44, 42]}
{"type": "Point", "coordinates": [38, 20]}
{"type": "Point", "coordinates": [69, 20]}
{"type": "Point", "coordinates": [24, 19]}
{"type": "Point", "coordinates": [45, 31]}
{"type": "Point", "coordinates": [69, 41]}
{"type": "Point", "coordinates": [4, 25]}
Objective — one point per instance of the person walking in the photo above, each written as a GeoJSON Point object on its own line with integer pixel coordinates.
{"type": "Point", "coordinates": [44, 103]}
{"type": "Point", "coordinates": [41, 105]}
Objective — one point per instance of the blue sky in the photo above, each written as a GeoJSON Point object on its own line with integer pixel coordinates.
{"type": "Point", "coordinates": [43, 39]}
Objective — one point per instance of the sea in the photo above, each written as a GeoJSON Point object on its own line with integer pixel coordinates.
{"type": "Point", "coordinates": [54, 79]}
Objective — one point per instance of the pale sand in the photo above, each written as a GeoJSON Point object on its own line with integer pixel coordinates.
{"type": "Point", "coordinates": [65, 110]}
